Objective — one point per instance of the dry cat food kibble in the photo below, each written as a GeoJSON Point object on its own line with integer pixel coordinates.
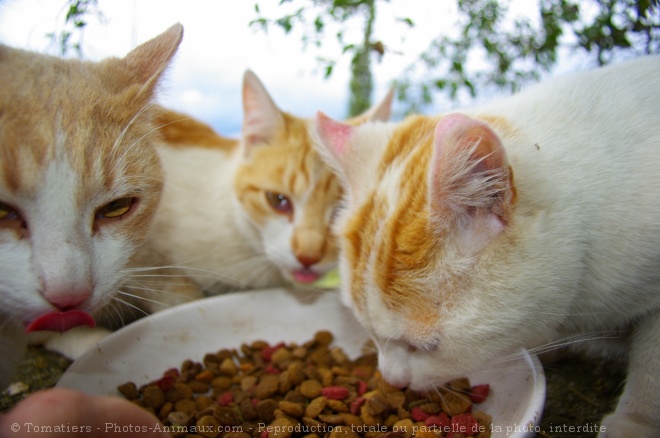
{"type": "Point", "coordinates": [311, 390]}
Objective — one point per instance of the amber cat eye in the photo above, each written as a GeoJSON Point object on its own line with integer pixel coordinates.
{"type": "Point", "coordinates": [6, 212]}
{"type": "Point", "coordinates": [115, 209]}
{"type": "Point", "coordinates": [280, 203]}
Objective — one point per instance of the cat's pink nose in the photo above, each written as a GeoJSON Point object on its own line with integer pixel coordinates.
{"type": "Point", "coordinates": [68, 299]}
{"type": "Point", "coordinates": [308, 260]}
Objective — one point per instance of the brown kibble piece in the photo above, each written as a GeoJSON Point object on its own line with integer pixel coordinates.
{"type": "Point", "coordinates": [178, 417]}
{"type": "Point", "coordinates": [315, 407]}
{"type": "Point", "coordinates": [227, 416]}
{"type": "Point", "coordinates": [293, 409]}
{"type": "Point", "coordinates": [406, 426]}
{"type": "Point", "coordinates": [282, 427]}
{"type": "Point", "coordinates": [129, 390]}
{"type": "Point", "coordinates": [228, 367]}
{"type": "Point", "coordinates": [311, 388]}
{"type": "Point", "coordinates": [266, 410]}
{"type": "Point", "coordinates": [208, 427]}
{"type": "Point", "coordinates": [376, 405]}
{"type": "Point", "coordinates": [153, 397]}
{"type": "Point", "coordinates": [323, 337]}
{"type": "Point", "coordinates": [454, 404]}
{"type": "Point", "coordinates": [267, 386]}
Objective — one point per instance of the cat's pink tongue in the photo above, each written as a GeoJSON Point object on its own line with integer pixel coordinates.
{"type": "Point", "coordinates": [306, 276]}
{"type": "Point", "coordinates": [61, 321]}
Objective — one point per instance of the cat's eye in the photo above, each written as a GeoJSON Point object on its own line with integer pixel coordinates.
{"type": "Point", "coordinates": [115, 209]}
{"type": "Point", "coordinates": [10, 218]}
{"type": "Point", "coordinates": [7, 213]}
{"type": "Point", "coordinates": [279, 202]}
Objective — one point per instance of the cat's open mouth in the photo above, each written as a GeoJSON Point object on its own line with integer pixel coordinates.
{"type": "Point", "coordinates": [306, 275]}
{"type": "Point", "coordinates": [61, 321]}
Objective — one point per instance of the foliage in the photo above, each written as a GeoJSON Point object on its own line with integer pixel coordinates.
{"type": "Point", "coordinates": [75, 22]}
{"type": "Point", "coordinates": [602, 29]}
{"type": "Point", "coordinates": [516, 51]}
{"type": "Point", "coordinates": [344, 14]}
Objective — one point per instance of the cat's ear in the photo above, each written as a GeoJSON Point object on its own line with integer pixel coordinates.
{"type": "Point", "coordinates": [335, 140]}
{"type": "Point", "coordinates": [379, 112]}
{"type": "Point", "coordinates": [147, 62]}
{"type": "Point", "coordinates": [470, 180]}
{"type": "Point", "coordinates": [261, 117]}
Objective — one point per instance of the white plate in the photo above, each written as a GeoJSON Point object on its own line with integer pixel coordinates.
{"type": "Point", "coordinates": [142, 351]}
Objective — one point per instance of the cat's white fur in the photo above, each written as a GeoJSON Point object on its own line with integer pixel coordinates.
{"type": "Point", "coordinates": [578, 257]}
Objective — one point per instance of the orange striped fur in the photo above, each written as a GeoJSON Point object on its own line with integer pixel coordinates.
{"type": "Point", "coordinates": [178, 129]}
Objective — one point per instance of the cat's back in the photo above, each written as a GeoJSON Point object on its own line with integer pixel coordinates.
{"type": "Point", "coordinates": [195, 158]}
{"type": "Point", "coordinates": [179, 130]}
{"type": "Point", "coordinates": [619, 98]}
{"type": "Point", "coordinates": [586, 129]}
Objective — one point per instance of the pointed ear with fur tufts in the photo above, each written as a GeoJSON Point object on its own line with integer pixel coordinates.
{"type": "Point", "coordinates": [335, 138]}
{"type": "Point", "coordinates": [470, 180]}
{"type": "Point", "coordinates": [379, 112]}
{"type": "Point", "coordinates": [147, 62]}
{"type": "Point", "coordinates": [334, 145]}
{"type": "Point", "coordinates": [261, 117]}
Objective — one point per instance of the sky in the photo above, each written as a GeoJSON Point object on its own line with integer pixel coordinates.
{"type": "Point", "coordinates": [218, 46]}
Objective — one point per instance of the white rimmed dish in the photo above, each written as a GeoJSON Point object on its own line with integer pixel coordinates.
{"type": "Point", "coordinates": [142, 351]}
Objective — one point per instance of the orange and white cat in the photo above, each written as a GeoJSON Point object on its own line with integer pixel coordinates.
{"type": "Point", "coordinates": [79, 184]}
{"type": "Point", "coordinates": [252, 213]}
{"type": "Point", "coordinates": [529, 221]}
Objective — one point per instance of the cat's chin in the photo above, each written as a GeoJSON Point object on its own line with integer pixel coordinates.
{"type": "Point", "coordinates": [61, 321]}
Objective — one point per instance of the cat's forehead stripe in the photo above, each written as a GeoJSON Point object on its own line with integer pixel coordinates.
{"type": "Point", "coordinates": [360, 233]}
{"type": "Point", "coordinates": [412, 132]}
{"type": "Point", "coordinates": [406, 244]}
{"type": "Point", "coordinates": [389, 241]}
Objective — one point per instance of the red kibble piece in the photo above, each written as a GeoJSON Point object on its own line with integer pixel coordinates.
{"type": "Point", "coordinates": [166, 382]}
{"type": "Point", "coordinates": [335, 392]}
{"type": "Point", "coordinates": [479, 393]}
{"type": "Point", "coordinates": [267, 352]}
{"type": "Point", "coordinates": [361, 387]}
{"type": "Point", "coordinates": [441, 421]}
{"type": "Point", "coordinates": [356, 405]}
{"type": "Point", "coordinates": [270, 369]}
{"type": "Point", "coordinates": [255, 401]}
{"type": "Point", "coordinates": [464, 424]}
{"type": "Point", "coordinates": [264, 433]}
{"type": "Point", "coordinates": [418, 414]}
{"type": "Point", "coordinates": [225, 398]}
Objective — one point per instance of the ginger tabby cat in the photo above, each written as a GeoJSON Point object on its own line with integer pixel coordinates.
{"type": "Point", "coordinates": [79, 184]}
{"type": "Point", "coordinates": [245, 214]}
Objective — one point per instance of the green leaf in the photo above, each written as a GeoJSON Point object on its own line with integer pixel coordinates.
{"type": "Point", "coordinates": [285, 23]}
{"type": "Point", "coordinates": [328, 70]}
{"type": "Point", "coordinates": [318, 24]}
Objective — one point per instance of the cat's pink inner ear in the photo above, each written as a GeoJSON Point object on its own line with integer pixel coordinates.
{"type": "Point", "coordinates": [335, 135]}
{"type": "Point", "coordinates": [458, 131]}
{"type": "Point", "coordinates": [470, 171]}
{"type": "Point", "coordinates": [262, 118]}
